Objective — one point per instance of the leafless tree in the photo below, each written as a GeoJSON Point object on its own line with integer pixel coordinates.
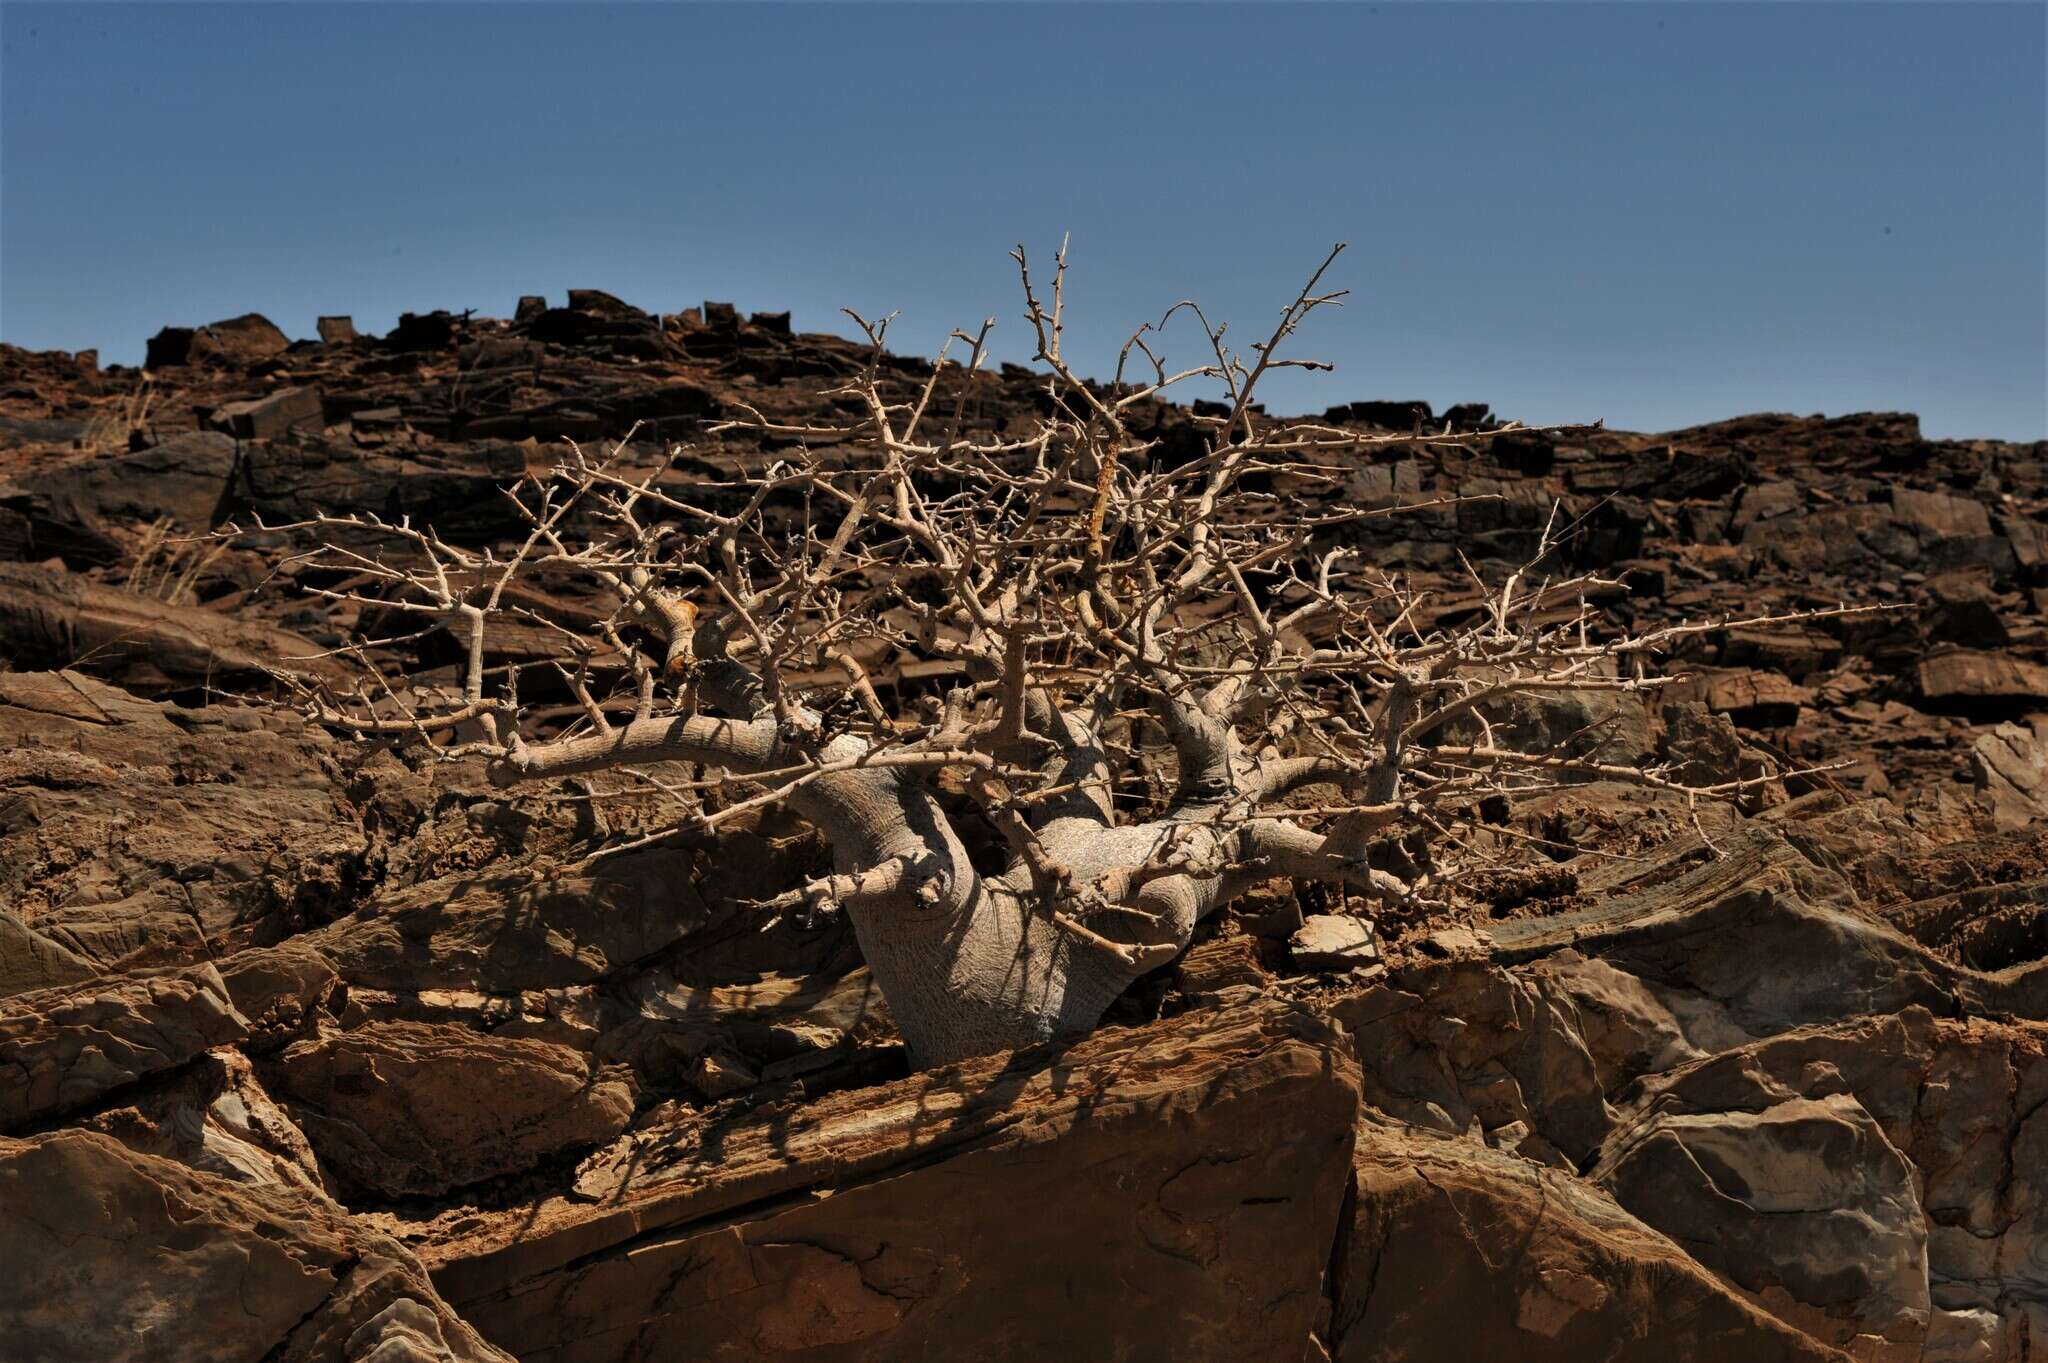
{"type": "Point", "coordinates": [1159, 685]}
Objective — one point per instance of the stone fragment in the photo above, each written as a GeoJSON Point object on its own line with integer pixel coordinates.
{"type": "Point", "coordinates": [1962, 678]}
{"type": "Point", "coordinates": [1333, 943]}
{"type": "Point", "coordinates": [1941, 515]}
{"type": "Point", "coordinates": [2010, 764]}
{"type": "Point", "coordinates": [1804, 1204]}
{"type": "Point", "coordinates": [272, 417]}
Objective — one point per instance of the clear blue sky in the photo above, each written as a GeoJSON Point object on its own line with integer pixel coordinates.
{"type": "Point", "coordinates": [1656, 214]}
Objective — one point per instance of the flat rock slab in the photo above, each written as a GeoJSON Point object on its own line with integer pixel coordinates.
{"type": "Point", "coordinates": [1333, 943]}
{"type": "Point", "coordinates": [57, 619]}
{"type": "Point", "coordinates": [1163, 1192]}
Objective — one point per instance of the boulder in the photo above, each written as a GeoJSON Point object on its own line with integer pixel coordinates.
{"type": "Point", "coordinates": [183, 476]}
{"type": "Point", "coordinates": [1878, 1183]}
{"type": "Point", "coordinates": [66, 1047]}
{"type": "Point", "coordinates": [272, 416]}
{"type": "Point", "coordinates": [518, 928]}
{"type": "Point", "coordinates": [112, 1254]}
{"type": "Point", "coordinates": [1805, 1204]}
{"type": "Point", "coordinates": [772, 1028]}
{"type": "Point", "coordinates": [1966, 680]}
{"type": "Point", "coordinates": [409, 1108]}
{"type": "Point", "coordinates": [1454, 1252]}
{"type": "Point", "coordinates": [237, 342]}
{"type": "Point", "coordinates": [133, 830]}
{"type": "Point", "coordinates": [455, 487]}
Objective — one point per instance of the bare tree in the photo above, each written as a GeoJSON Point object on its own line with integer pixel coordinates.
{"type": "Point", "coordinates": [1159, 685]}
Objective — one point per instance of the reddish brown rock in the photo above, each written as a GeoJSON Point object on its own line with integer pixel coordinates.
{"type": "Point", "coordinates": [408, 1108]}
{"type": "Point", "coordinates": [59, 620]}
{"type": "Point", "coordinates": [1457, 1252]}
{"type": "Point", "coordinates": [111, 1254]}
{"type": "Point", "coordinates": [1169, 1191]}
{"type": "Point", "coordinates": [142, 833]}
{"type": "Point", "coordinates": [63, 1048]}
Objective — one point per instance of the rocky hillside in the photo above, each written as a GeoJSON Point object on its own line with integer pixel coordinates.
{"type": "Point", "coordinates": [312, 1049]}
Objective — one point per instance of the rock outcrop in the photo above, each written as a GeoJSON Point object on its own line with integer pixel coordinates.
{"type": "Point", "coordinates": [313, 1048]}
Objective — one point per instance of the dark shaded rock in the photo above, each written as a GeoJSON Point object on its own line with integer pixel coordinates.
{"type": "Point", "coordinates": [428, 331]}
{"type": "Point", "coordinates": [457, 489]}
{"type": "Point", "coordinates": [37, 527]}
{"type": "Point", "coordinates": [272, 417]}
{"type": "Point", "coordinates": [336, 330]}
{"type": "Point", "coordinates": [183, 477]}
{"type": "Point", "coordinates": [238, 342]}
{"type": "Point", "coordinates": [1393, 416]}
{"type": "Point", "coordinates": [773, 1028]}
{"type": "Point", "coordinates": [506, 930]}
{"type": "Point", "coordinates": [51, 619]}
